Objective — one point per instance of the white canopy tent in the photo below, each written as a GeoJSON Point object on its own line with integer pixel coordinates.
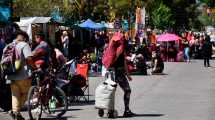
{"type": "Point", "coordinates": [209, 29]}
{"type": "Point", "coordinates": [26, 22]}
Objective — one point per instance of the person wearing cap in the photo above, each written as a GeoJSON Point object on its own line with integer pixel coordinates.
{"type": "Point", "coordinates": [121, 70]}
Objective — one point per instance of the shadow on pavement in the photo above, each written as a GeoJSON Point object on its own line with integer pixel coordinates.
{"type": "Point", "coordinates": [69, 110]}
{"type": "Point", "coordinates": [139, 74]}
{"type": "Point", "coordinates": [74, 109]}
{"type": "Point", "coordinates": [212, 67]}
{"type": "Point", "coordinates": [160, 74]}
{"type": "Point", "coordinates": [83, 103]}
{"type": "Point", "coordinates": [25, 109]}
{"type": "Point", "coordinates": [149, 115]}
{"type": "Point", "coordinates": [146, 115]}
{"type": "Point", "coordinates": [63, 118]}
{"type": "Point", "coordinates": [54, 118]}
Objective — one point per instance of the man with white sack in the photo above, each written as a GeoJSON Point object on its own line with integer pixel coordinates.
{"type": "Point", "coordinates": [114, 59]}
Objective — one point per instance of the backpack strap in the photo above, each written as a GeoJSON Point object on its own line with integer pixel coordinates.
{"type": "Point", "coordinates": [21, 51]}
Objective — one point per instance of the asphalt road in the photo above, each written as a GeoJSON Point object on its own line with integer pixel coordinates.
{"type": "Point", "coordinates": [185, 92]}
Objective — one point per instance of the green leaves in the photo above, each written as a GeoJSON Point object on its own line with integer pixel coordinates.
{"type": "Point", "coordinates": [119, 7]}
{"type": "Point", "coordinates": [210, 3]}
{"type": "Point", "coordinates": [207, 20]}
{"type": "Point", "coordinates": [39, 7]}
{"type": "Point", "coordinates": [161, 16]}
{"type": "Point", "coordinates": [32, 8]}
{"type": "Point", "coordinates": [162, 13]}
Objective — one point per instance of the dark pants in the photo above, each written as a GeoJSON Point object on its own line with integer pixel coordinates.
{"type": "Point", "coordinates": [121, 79]}
{"type": "Point", "coordinates": [207, 62]}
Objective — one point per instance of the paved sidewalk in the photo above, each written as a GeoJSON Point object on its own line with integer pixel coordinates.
{"type": "Point", "coordinates": [186, 92]}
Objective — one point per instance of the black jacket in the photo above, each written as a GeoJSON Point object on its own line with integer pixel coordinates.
{"type": "Point", "coordinates": [207, 49]}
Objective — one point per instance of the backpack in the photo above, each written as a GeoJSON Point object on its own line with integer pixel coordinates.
{"type": "Point", "coordinates": [109, 55]}
{"type": "Point", "coordinates": [11, 59]}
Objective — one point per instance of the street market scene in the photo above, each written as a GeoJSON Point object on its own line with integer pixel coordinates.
{"type": "Point", "coordinates": [107, 59]}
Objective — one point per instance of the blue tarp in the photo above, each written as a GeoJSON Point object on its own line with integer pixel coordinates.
{"type": "Point", "coordinates": [56, 16]}
{"type": "Point", "coordinates": [5, 13]}
{"type": "Point", "coordinates": [91, 25]}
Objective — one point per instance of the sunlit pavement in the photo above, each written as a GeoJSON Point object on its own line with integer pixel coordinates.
{"type": "Point", "coordinates": [185, 92]}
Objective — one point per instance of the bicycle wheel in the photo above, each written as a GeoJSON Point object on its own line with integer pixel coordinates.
{"type": "Point", "coordinates": [58, 104]}
{"type": "Point", "coordinates": [34, 104]}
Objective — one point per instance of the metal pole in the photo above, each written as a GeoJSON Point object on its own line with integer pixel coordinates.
{"type": "Point", "coordinates": [167, 51]}
{"type": "Point", "coordinates": [11, 7]}
{"type": "Point", "coordinates": [130, 21]}
{"type": "Point", "coordinates": [88, 2]}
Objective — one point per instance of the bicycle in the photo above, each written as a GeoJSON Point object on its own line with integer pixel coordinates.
{"type": "Point", "coordinates": [45, 96]}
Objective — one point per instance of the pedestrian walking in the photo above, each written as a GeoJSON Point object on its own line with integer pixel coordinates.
{"type": "Point", "coordinates": [19, 79]}
{"type": "Point", "coordinates": [118, 63]}
{"type": "Point", "coordinates": [187, 52]}
{"type": "Point", "coordinates": [207, 51]}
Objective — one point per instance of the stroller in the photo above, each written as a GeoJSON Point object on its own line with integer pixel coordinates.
{"type": "Point", "coordinates": [71, 82]}
{"type": "Point", "coordinates": [105, 96]}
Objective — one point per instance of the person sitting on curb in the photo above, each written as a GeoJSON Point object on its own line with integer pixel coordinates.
{"type": "Point", "coordinates": [157, 63]}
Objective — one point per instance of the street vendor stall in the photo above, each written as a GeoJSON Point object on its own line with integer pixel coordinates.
{"type": "Point", "coordinates": [91, 25]}
{"type": "Point", "coordinates": [168, 37]}
{"type": "Point", "coordinates": [31, 25]}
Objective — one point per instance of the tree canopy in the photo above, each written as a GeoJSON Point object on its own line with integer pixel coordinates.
{"type": "Point", "coordinates": [162, 13]}
{"type": "Point", "coordinates": [210, 3]}
{"type": "Point", "coordinates": [162, 17]}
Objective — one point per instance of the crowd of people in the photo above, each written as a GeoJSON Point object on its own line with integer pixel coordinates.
{"type": "Point", "coordinates": [192, 45]}
{"type": "Point", "coordinates": [20, 78]}
{"type": "Point", "coordinates": [19, 58]}
{"type": "Point", "coordinates": [130, 57]}
{"type": "Point", "coordinates": [196, 45]}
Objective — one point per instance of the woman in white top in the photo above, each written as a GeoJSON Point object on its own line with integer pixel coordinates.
{"type": "Point", "coordinates": [65, 42]}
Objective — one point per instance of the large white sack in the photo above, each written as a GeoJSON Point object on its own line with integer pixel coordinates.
{"type": "Point", "coordinates": [105, 95]}
{"type": "Point", "coordinates": [104, 70]}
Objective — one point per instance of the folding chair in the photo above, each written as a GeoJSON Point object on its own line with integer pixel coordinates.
{"type": "Point", "coordinates": [82, 69]}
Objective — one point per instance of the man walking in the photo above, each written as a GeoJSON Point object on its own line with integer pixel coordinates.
{"type": "Point", "coordinates": [207, 51]}
{"type": "Point", "coordinates": [121, 70]}
{"type": "Point", "coordinates": [20, 81]}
